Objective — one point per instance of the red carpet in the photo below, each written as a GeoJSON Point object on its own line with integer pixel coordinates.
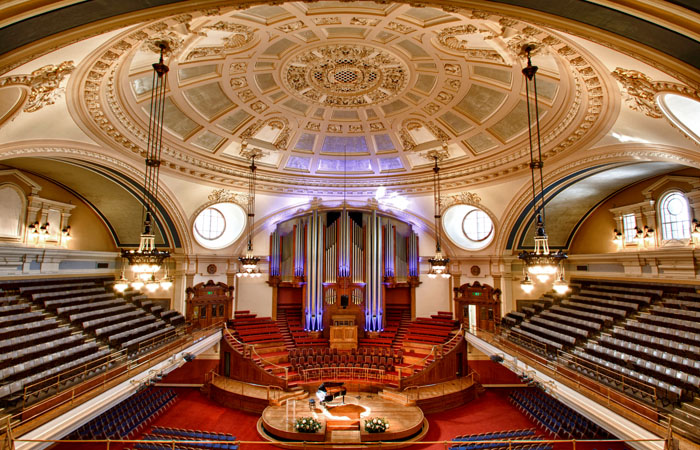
{"type": "Point", "coordinates": [491, 412]}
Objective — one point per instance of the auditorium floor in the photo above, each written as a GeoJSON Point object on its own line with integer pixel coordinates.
{"type": "Point", "coordinates": [491, 412]}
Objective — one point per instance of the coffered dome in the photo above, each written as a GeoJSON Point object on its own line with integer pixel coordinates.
{"type": "Point", "coordinates": [333, 88]}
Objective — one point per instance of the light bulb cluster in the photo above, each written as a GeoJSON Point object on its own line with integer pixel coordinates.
{"type": "Point", "coordinates": [438, 266]}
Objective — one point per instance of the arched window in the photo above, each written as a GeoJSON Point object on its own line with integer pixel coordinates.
{"type": "Point", "coordinates": [12, 217]}
{"type": "Point", "coordinates": [218, 226]}
{"type": "Point", "coordinates": [674, 215]}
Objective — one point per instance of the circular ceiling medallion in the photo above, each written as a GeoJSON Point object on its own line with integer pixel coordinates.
{"type": "Point", "coordinates": [345, 75]}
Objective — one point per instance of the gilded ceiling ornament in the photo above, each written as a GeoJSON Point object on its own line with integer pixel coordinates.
{"type": "Point", "coordinates": [453, 83]}
{"type": "Point", "coordinates": [640, 91]}
{"type": "Point", "coordinates": [252, 129]}
{"type": "Point", "coordinates": [479, 14]}
{"type": "Point", "coordinates": [517, 44]}
{"type": "Point", "coordinates": [437, 132]}
{"type": "Point", "coordinates": [407, 141]}
{"type": "Point", "coordinates": [258, 107]}
{"type": "Point", "coordinates": [437, 153]}
{"type": "Point", "coordinates": [444, 97]}
{"type": "Point", "coordinates": [172, 40]}
{"type": "Point", "coordinates": [376, 126]}
{"type": "Point", "coordinates": [240, 36]}
{"type": "Point", "coordinates": [43, 82]}
{"type": "Point", "coordinates": [226, 196]}
{"type": "Point", "coordinates": [252, 152]}
{"type": "Point", "coordinates": [453, 69]}
{"type": "Point", "coordinates": [399, 28]}
{"type": "Point", "coordinates": [237, 67]}
{"type": "Point", "coordinates": [462, 198]}
{"type": "Point", "coordinates": [364, 21]}
{"type": "Point", "coordinates": [431, 108]}
{"type": "Point", "coordinates": [292, 26]}
{"type": "Point", "coordinates": [355, 128]}
{"type": "Point", "coordinates": [452, 37]}
{"type": "Point", "coordinates": [326, 20]}
{"type": "Point", "coordinates": [246, 95]}
{"type": "Point", "coordinates": [335, 128]}
{"type": "Point", "coordinates": [313, 126]}
{"type": "Point", "coordinates": [238, 82]}
{"type": "Point", "coordinates": [345, 75]}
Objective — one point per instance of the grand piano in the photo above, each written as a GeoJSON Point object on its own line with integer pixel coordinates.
{"type": "Point", "coordinates": [330, 390]}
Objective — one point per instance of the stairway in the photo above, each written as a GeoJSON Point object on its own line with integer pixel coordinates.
{"type": "Point", "coordinates": [284, 329]}
{"type": "Point", "coordinates": [686, 420]}
{"type": "Point", "coordinates": [403, 329]}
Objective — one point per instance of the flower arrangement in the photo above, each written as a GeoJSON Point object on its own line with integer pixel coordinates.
{"type": "Point", "coordinates": [307, 425]}
{"type": "Point", "coordinates": [376, 425]}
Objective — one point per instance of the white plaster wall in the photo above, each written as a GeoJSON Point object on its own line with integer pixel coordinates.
{"type": "Point", "coordinates": [432, 295]}
{"type": "Point", "coordinates": [254, 295]}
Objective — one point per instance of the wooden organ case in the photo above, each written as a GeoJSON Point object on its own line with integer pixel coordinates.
{"type": "Point", "coordinates": [485, 299]}
{"type": "Point", "coordinates": [342, 263]}
{"type": "Point", "coordinates": [208, 303]}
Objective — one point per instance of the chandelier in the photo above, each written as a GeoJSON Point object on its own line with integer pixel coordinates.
{"type": "Point", "coordinates": [438, 263]}
{"type": "Point", "coordinates": [146, 262]}
{"type": "Point", "coordinates": [249, 262]}
{"type": "Point", "coordinates": [540, 263]}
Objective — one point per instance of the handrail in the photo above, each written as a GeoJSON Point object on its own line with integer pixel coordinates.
{"type": "Point", "coordinates": [286, 369]}
{"type": "Point", "coordinates": [443, 385]}
{"type": "Point", "coordinates": [245, 346]}
{"type": "Point", "coordinates": [378, 444]}
{"type": "Point", "coordinates": [119, 355]}
{"type": "Point", "coordinates": [89, 385]}
{"type": "Point", "coordinates": [554, 367]}
{"type": "Point", "coordinates": [434, 349]}
{"type": "Point", "coordinates": [380, 374]}
{"type": "Point", "coordinates": [599, 368]}
{"type": "Point", "coordinates": [252, 349]}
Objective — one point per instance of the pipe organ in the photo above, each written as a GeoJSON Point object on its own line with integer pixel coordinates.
{"type": "Point", "coordinates": [343, 260]}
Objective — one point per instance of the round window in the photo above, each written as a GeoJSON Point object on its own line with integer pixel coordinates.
{"type": "Point", "coordinates": [469, 227]}
{"type": "Point", "coordinates": [219, 225]}
{"type": "Point", "coordinates": [210, 224]}
{"type": "Point", "coordinates": [682, 111]}
{"type": "Point", "coordinates": [477, 225]}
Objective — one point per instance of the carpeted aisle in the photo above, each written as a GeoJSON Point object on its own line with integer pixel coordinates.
{"type": "Point", "coordinates": [491, 412]}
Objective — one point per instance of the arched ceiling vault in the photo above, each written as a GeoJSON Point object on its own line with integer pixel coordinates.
{"type": "Point", "coordinates": [116, 198]}
{"type": "Point", "coordinates": [571, 199]}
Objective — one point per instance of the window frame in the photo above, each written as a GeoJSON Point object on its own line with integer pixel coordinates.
{"type": "Point", "coordinates": [661, 215]}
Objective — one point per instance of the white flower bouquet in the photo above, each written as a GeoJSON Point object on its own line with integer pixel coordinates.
{"type": "Point", "coordinates": [307, 425]}
{"type": "Point", "coordinates": [376, 425]}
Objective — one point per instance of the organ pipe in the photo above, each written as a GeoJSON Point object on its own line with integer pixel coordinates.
{"type": "Point", "coordinates": [344, 257]}
{"type": "Point", "coordinates": [413, 255]}
{"type": "Point", "coordinates": [357, 253]}
{"type": "Point", "coordinates": [401, 260]}
{"type": "Point", "coordinates": [287, 256]}
{"type": "Point", "coordinates": [314, 273]}
{"type": "Point", "coordinates": [373, 301]}
{"type": "Point", "coordinates": [298, 249]}
{"type": "Point", "coordinates": [331, 253]}
{"type": "Point", "coordinates": [275, 253]}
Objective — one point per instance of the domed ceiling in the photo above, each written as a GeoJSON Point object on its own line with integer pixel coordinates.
{"type": "Point", "coordinates": [332, 88]}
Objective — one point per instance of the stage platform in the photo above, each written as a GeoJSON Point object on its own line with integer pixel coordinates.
{"type": "Point", "coordinates": [344, 423]}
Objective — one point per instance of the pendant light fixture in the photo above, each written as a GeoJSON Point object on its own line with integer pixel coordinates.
{"type": "Point", "coordinates": [540, 263]}
{"type": "Point", "coordinates": [146, 262]}
{"type": "Point", "coordinates": [438, 263]}
{"type": "Point", "coordinates": [249, 262]}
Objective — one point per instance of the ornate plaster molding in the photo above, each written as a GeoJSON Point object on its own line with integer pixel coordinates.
{"type": "Point", "coordinates": [44, 84]}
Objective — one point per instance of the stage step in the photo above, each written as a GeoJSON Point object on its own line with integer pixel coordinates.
{"type": "Point", "coordinates": [344, 436]}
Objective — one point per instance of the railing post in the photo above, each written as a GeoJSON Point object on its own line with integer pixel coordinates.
{"type": "Point", "coordinates": [573, 444]}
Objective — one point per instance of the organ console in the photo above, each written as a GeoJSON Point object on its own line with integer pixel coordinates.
{"type": "Point", "coordinates": [330, 390]}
